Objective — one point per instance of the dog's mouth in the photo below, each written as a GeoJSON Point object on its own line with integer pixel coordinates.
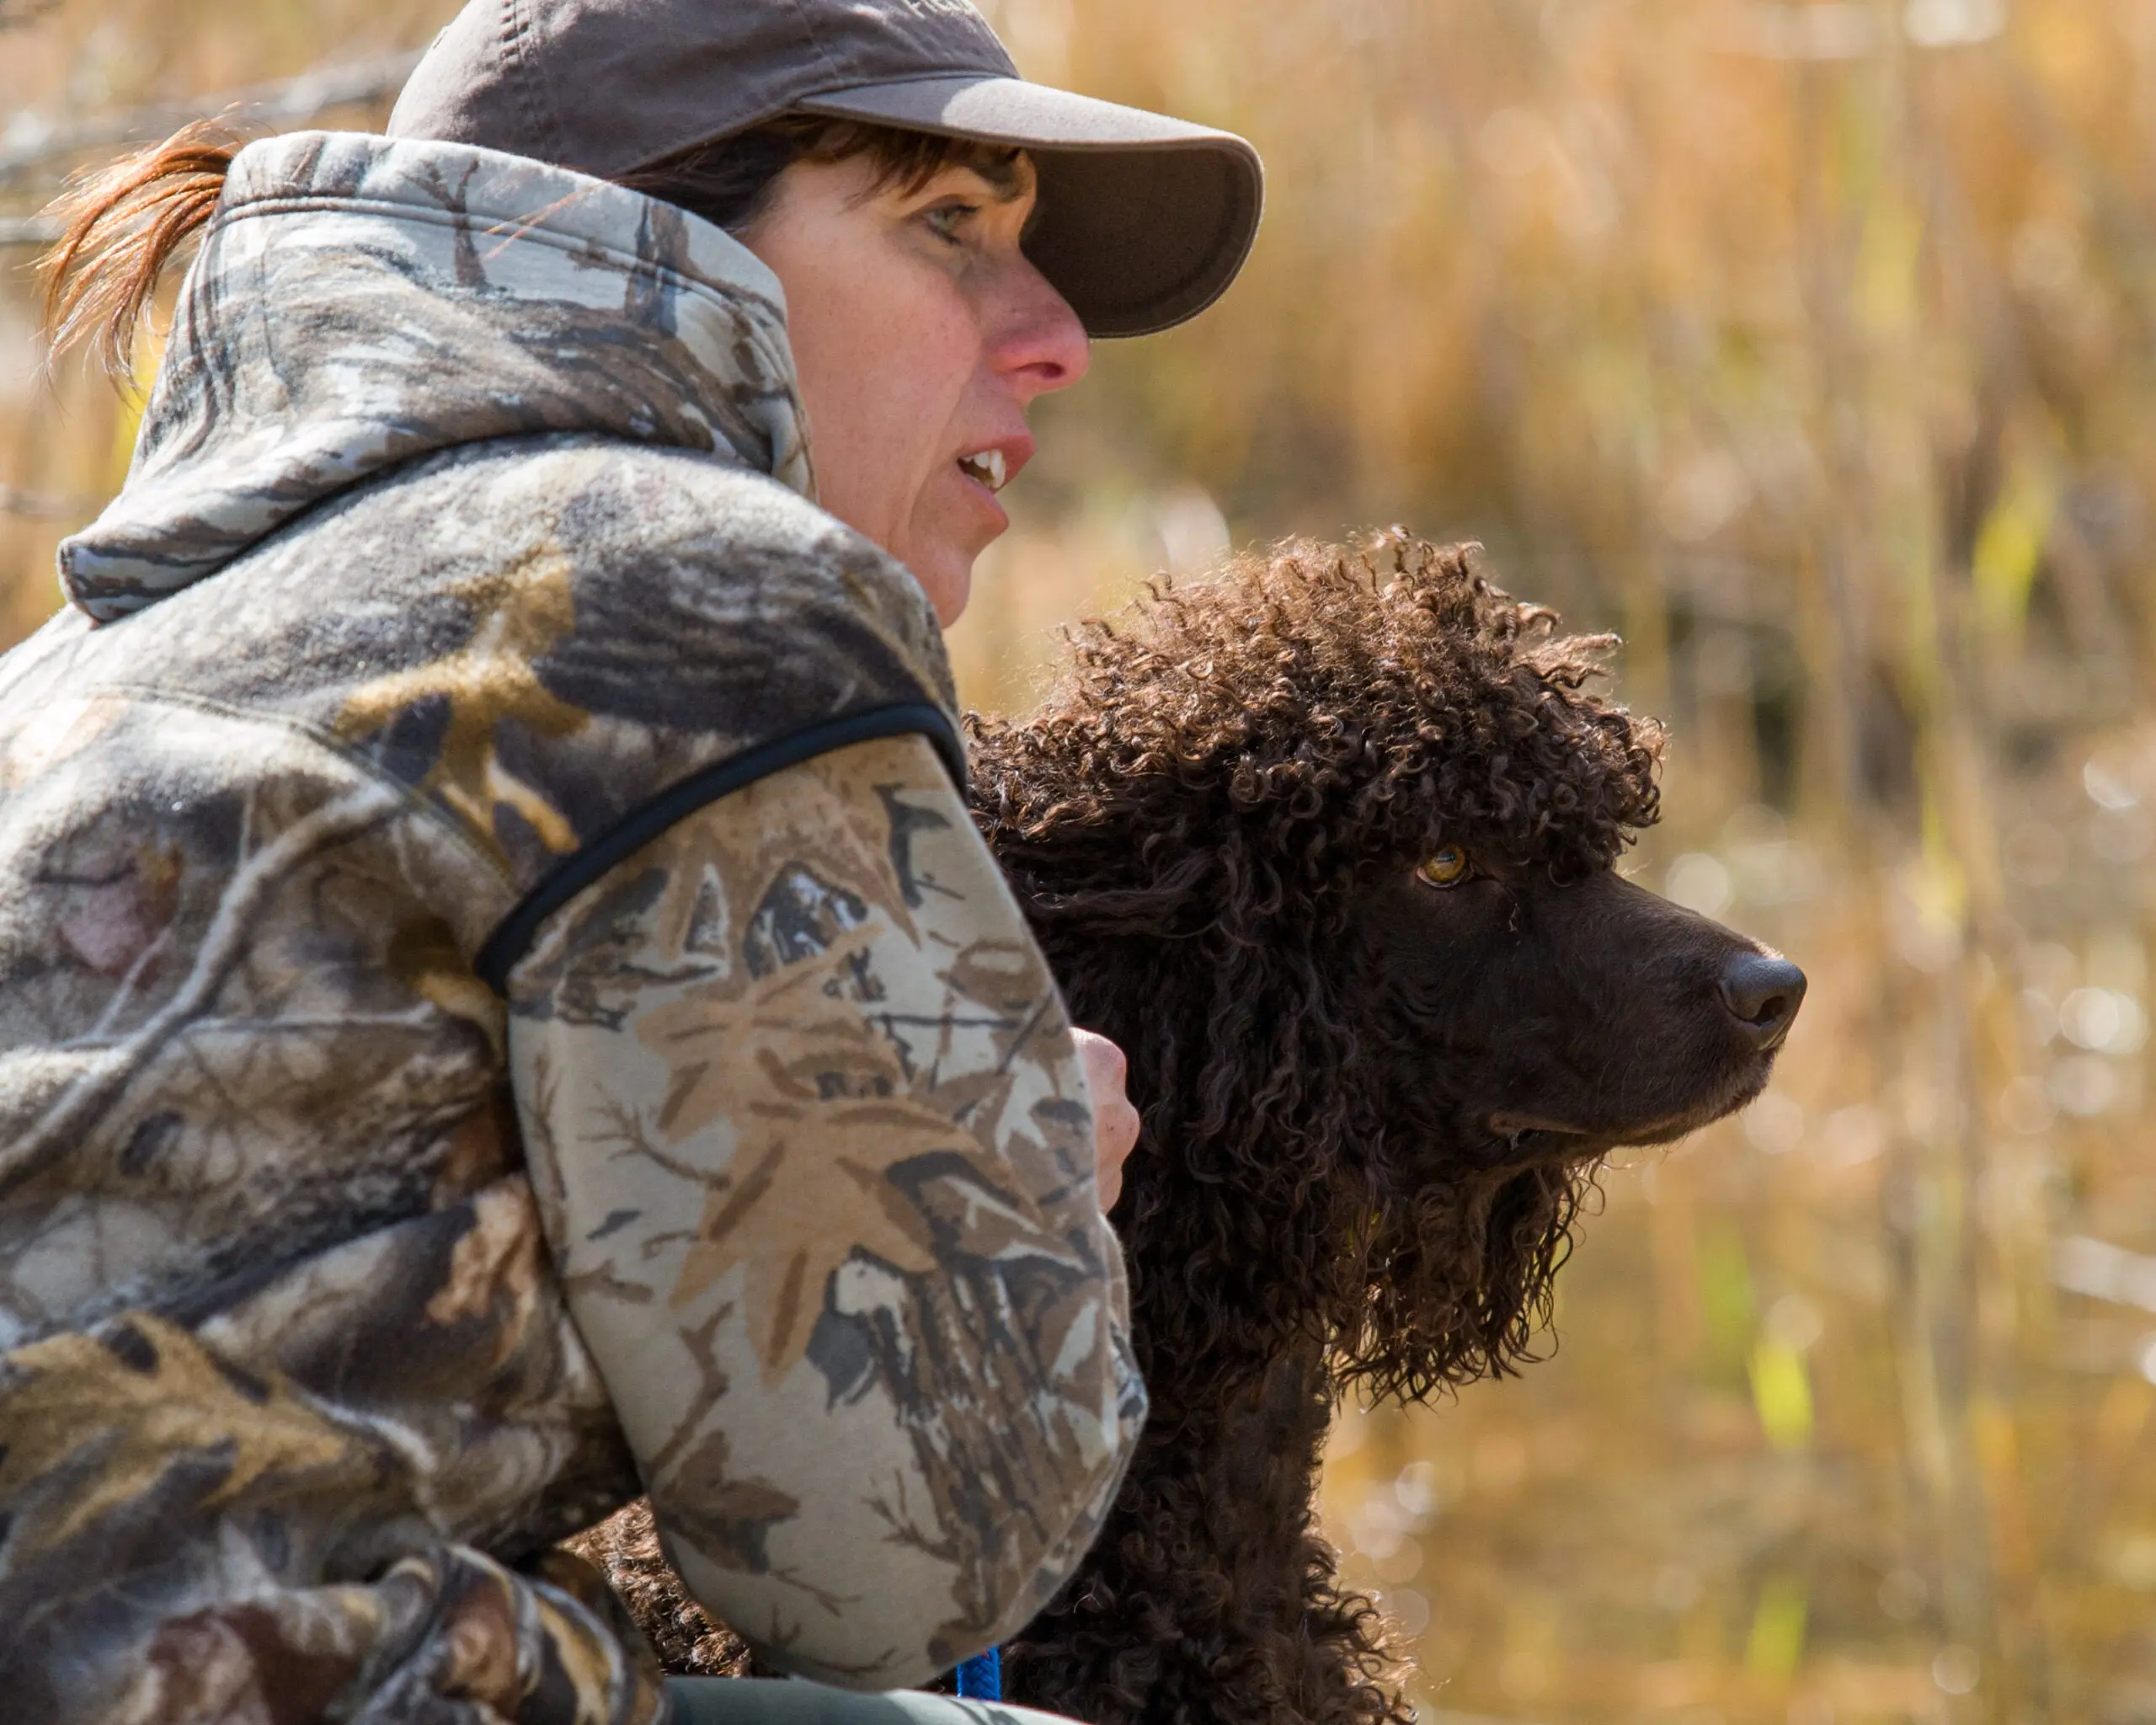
{"type": "Point", "coordinates": [1543, 1135]}
{"type": "Point", "coordinates": [1532, 1133]}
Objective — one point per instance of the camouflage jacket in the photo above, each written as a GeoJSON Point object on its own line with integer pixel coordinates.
{"type": "Point", "coordinates": [502, 1007]}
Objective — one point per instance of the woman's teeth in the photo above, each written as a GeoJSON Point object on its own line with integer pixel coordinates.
{"type": "Point", "coordinates": [987, 467]}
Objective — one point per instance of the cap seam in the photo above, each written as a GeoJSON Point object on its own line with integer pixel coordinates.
{"type": "Point", "coordinates": [973, 76]}
{"type": "Point", "coordinates": [528, 80]}
{"type": "Point", "coordinates": [765, 113]}
{"type": "Point", "coordinates": [815, 44]}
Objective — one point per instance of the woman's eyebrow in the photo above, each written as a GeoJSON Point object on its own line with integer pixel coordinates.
{"type": "Point", "coordinates": [1005, 177]}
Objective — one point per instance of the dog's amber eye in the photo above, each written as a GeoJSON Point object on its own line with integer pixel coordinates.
{"type": "Point", "coordinates": [1449, 867]}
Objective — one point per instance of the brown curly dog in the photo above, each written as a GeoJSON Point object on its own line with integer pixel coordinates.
{"type": "Point", "coordinates": [1328, 845]}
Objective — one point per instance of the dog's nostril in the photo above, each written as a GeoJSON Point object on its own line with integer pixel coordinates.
{"type": "Point", "coordinates": [1762, 993]}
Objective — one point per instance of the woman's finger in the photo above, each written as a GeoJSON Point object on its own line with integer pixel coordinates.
{"type": "Point", "coordinates": [1115, 1121]}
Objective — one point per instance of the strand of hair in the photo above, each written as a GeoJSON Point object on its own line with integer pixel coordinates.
{"type": "Point", "coordinates": [121, 228]}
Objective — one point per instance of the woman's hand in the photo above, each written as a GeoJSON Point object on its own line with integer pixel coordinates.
{"type": "Point", "coordinates": [1115, 1121]}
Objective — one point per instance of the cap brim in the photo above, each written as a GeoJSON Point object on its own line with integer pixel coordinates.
{"type": "Point", "coordinates": [1145, 220]}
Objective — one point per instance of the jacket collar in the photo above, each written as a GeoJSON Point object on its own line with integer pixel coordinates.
{"type": "Point", "coordinates": [360, 302]}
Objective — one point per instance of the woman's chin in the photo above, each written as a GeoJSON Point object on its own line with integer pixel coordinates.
{"type": "Point", "coordinates": [946, 575]}
{"type": "Point", "coordinates": [953, 522]}
{"type": "Point", "coordinates": [949, 530]}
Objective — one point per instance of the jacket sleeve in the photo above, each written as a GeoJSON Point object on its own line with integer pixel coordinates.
{"type": "Point", "coordinates": [814, 1158]}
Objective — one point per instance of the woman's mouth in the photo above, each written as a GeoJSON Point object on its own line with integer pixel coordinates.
{"type": "Point", "coordinates": [988, 467]}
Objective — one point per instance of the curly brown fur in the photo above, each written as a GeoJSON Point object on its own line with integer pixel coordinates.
{"type": "Point", "coordinates": [1371, 1106]}
{"type": "Point", "coordinates": [1187, 826]}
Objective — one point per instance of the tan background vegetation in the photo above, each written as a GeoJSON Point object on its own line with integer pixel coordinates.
{"type": "Point", "coordinates": [1809, 344]}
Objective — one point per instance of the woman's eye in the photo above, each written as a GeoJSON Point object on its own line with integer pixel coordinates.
{"type": "Point", "coordinates": [946, 220]}
{"type": "Point", "coordinates": [1447, 868]}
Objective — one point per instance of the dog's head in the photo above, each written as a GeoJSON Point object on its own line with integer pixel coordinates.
{"type": "Point", "coordinates": [1329, 846]}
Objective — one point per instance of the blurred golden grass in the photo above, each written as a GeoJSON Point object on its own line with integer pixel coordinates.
{"type": "Point", "coordinates": [1809, 344]}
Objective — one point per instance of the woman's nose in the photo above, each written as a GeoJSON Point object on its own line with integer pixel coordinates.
{"type": "Point", "coordinates": [1036, 342]}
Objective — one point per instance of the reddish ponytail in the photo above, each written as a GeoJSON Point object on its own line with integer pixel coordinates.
{"type": "Point", "coordinates": [122, 227]}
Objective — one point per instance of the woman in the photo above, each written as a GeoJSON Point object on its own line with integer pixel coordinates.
{"type": "Point", "coordinates": [503, 1005]}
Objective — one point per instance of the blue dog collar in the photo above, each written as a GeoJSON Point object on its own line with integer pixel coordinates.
{"type": "Point", "coordinates": [980, 1679]}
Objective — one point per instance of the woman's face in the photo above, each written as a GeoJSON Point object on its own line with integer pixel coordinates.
{"type": "Point", "coordinates": [920, 334]}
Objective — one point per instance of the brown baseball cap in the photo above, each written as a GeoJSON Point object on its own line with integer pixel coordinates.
{"type": "Point", "coordinates": [1145, 220]}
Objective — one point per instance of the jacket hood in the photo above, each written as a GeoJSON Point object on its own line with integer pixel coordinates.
{"type": "Point", "coordinates": [360, 302]}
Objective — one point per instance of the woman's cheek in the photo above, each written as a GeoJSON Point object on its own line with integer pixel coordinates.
{"type": "Point", "coordinates": [937, 429]}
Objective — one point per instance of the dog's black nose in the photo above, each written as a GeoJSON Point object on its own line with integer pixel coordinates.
{"type": "Point", "coordinates": [1762, 994]}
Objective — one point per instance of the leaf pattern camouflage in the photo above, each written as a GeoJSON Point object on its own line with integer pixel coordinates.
{"type": "Point", "coordinates": [632, 318]}
{"type": "Point", "coordinates": [293, 1404]}
{"type": "Point", "coordinates": [791, 1084]}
